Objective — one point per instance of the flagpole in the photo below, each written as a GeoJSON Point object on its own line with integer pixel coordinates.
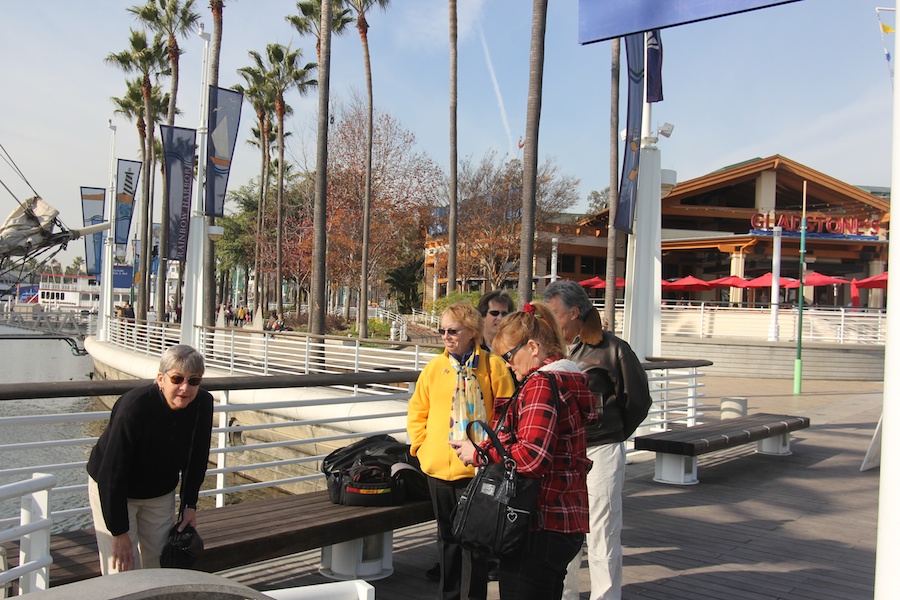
{"type": "Point", "coordinates": [106, 271]}
{"type": "Point", "coordinates": [798, 362]}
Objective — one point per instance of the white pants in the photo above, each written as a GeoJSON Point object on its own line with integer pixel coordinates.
{"type": "Point", "coordinates": [149, 521]}
{"type": "Point", "coordinates": [605, 481]}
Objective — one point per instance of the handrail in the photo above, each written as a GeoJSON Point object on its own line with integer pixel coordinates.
{"type": "Point", "coordinates": [33, 532]}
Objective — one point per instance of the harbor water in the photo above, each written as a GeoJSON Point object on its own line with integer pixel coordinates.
{"type": "Point", "coordinates": [31, 361]}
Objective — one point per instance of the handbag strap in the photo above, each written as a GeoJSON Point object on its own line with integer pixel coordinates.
{"type": "Point", "coordinates": [187, 465]}
{"type": "Point", "coordinates": [492, 435]}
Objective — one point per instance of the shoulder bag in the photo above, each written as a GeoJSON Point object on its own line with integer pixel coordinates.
{"type": "Point", "coordinates": [494, 514]}
{"type": "Point", "coordinates": [182, 547]}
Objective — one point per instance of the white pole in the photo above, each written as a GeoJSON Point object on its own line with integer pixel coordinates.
{"type": "Point", "coordinates": [776, 278]}
{"type": "Point", "coordinates": [192, 310]}
{"type": "Point", "coordinates": [643, 293]}
{"type": "Point", "coordinates": [106, 270]}
{"type": "Point", "coordinates": [554, 260]}
{"type": "Point", "coordinates": [887, 553]}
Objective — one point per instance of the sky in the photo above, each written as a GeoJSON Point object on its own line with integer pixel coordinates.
{"type": "Point", "coordinates": [806, 80]}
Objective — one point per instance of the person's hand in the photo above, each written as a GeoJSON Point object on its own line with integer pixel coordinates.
{"type": "Point", "coordinates": [189, 517]}
{"type": "Point", "coordinates": [122, 556]}
{"type": "Point", "coordinates": [465, 450]}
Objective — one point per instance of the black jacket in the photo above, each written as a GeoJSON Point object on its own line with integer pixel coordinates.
{"type": "Point", "coordinates": [145, 448]}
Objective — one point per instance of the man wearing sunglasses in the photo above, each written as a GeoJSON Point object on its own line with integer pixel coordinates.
{"type": "Point", "coordinates": [156, 434]}
{"type": "Point", "coordinates": [493, 306]}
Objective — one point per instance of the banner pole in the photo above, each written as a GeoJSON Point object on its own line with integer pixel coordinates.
{"type": "Point", "coordinates": [798, 362]}
{"type": "Point", "coordinates": [106, 270]}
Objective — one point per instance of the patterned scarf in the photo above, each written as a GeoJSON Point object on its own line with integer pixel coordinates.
{"type": "Point", "coordinates": [468, 403]}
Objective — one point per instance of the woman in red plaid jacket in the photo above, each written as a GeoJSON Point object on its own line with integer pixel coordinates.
{"type": "Point", "coordinates": [545, 436]}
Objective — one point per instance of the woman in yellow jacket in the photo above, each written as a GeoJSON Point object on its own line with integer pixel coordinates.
{"type": "Point", "coordinates": [455, 387]}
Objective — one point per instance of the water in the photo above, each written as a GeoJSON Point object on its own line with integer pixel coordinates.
{"type": "Point", "coordinates": [31, 361]}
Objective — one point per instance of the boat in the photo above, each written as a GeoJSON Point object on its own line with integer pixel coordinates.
{"type": "Point", "coordinates": [72, 293]}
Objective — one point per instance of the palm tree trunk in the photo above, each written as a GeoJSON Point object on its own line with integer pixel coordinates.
{"type": "Point", "coordinates": [144, 283]}
{"type": "Point", "coordinates": [530, 154]}
{"type": "Point", "coordinates": [317, 283]}
{"type": "Point", "coordinates": [209, 254]}
{"type": "Point", "coordinates": [362, 316]}
{"type": "Point", "coordinates": [279, 208]}
{"type": "Point", "coordinates": [453, 217]}
{"type": "Point", "coordinates": [609, 306]}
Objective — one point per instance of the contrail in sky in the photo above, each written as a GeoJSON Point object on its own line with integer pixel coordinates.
{"type": "Point", "coordinates": [490, 66]}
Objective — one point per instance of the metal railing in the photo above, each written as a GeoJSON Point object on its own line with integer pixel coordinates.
{"type": "Point", "coordinates": [32, 532]}
{"type": "Point", "coordinates": [280, 441]}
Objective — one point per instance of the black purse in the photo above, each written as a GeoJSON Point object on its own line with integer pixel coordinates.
{"type": "Point", "coordinates": [182, 547]}
{"type": "Point", "coordinates": [495, 513]}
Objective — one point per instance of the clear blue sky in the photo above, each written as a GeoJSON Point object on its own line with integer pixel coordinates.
{"type": "Point", "coordinates": [807, 80]}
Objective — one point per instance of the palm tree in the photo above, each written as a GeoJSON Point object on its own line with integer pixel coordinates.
{"type": "Point", "coordinates": [360, 7]}
{"type": "Point", "coordinates": [282, 71]}
{"type": "Point", "coordinates": [77, 265]}
{"type": "Point", "coordinates": [609, 307]}
{"type": "Point", "coordinates": [171, 19]}
{"type": "Point", "coordinates": [146, 58]}
{"type": "Point", "coordinates": [451, 229]}
{"type": "Point", "coordinates": [530, 154]}
{"type": "Point", "coordinates": [317, 281]}
{"type": "Point", "coordinates": [259, 94]}
{"type": "Point", "coordinates": [309, 21]}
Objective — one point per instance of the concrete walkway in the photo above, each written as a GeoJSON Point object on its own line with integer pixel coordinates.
{"type": "Point", "coordinates": [755, 528]}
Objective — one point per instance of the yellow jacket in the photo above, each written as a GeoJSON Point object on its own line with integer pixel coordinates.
{"type": "Point", "coordinates": [428, 419]}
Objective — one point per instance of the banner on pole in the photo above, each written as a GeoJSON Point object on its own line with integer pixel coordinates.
{"type": "Point", "coordinates": [607, 19]}
{"type": "Point", "coordinates": [224, 118]}
{"type": "Point", "coordinates": [92, 201]}
{"type": "Point", "coordinates": [127, 176]}
{"type": "Point", "coordinates": [654, 66]}
{"type": "Point", "coordinates": [634, 48]}
{"type": "Point", "coordinates": [178, 147]}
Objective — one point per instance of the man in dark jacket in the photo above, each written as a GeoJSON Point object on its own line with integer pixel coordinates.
{"type": "Point", "coordinates": [135, 466]}
{"type": "Point", "coordinates": [619, 383]}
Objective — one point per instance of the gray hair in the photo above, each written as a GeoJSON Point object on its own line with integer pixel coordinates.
{"type": "Point", "coordinates": [571, 295]}
{"type": "Point", "coordinates": [183, 358]}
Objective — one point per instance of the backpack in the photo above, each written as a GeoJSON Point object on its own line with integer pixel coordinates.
{"type": "Point", "coordinates": [374, 471]}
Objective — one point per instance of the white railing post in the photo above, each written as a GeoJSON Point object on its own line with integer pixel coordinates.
{"type": "Point", "coordinates": [221, 459]}
{"type": "Point", "coordinates": [35, 546]}
{"type": "Point", "coordinates": [702, 319]}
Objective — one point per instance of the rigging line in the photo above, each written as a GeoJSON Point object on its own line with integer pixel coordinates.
{"type": "Point", "coordinates": [16, 168]}
{"type": "Point", "coordinates": [19, 202]}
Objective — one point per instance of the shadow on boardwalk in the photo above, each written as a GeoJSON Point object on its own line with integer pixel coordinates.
{"type": "Point", "coordinates": [755, 528]}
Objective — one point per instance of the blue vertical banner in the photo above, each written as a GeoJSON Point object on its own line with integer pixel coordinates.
{"type": "Point", "coordinates": [224, 118]}
{"type": "Point", "coordinates": [634, 48]}
{"type": "Point", "coordinates": [128, 173]}
{"type": "Point", "coordinates": [654, 66]}
{"type": "Point", "coordinates": [92, 201]}
{"type": "Point", "coordinates": [178, 148]}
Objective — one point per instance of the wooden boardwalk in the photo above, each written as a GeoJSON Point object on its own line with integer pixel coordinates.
{"type": "Point", "coordinates": [755, 528]}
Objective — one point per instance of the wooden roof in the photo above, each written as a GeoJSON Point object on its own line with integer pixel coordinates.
{"type": "Point", "coordinates": [730, 193]}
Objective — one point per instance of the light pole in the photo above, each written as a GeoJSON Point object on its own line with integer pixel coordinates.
{"type": "Point", "coordinates": [776, 281]}
{"type": "Point", "coordinates": [106, 274]}
{"type": "Point", "coordinates": [193, 307]}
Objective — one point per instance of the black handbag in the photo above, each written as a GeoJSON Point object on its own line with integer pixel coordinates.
{"type": "Point", "coordinates": [494, 515]}
{"type": "Point", "coordinates": [182, 548]}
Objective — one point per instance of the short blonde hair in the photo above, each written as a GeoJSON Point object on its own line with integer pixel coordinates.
{"type": "Point", "coordinates": [467, 316]}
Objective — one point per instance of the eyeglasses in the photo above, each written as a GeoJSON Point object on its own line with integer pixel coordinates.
{"type": "Point", "coordinates": [498, 313]}
{"type": "Point", "coordinates": [179, 379]}
{"type": "Point", "coordinates": [507, 356]}
{"type": "Point", "coordinates": [451, 332]}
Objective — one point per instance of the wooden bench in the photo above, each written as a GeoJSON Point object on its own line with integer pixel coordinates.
{"type": "Point", "coordinates": [677, 450]}
{"type": "Point", "coordinates": [240, 534]}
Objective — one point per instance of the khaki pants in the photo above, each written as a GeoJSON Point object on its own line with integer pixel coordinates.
{"type": "Point", "coordinates": [149, 521]}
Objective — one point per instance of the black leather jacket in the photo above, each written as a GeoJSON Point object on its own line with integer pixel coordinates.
{"type": "Point", "coordinates": [619, 383]}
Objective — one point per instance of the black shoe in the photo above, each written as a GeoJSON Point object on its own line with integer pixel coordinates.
{"type": "Point", "coordinates": [434, 573]}
{"type": "Point", "coordinates": [494, 573]}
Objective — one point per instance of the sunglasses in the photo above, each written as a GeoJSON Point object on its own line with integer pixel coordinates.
{"type": "Point", "coordinates": [450, 332]}
{"type": "Point", "coordinates": [507, 356]}
{"type": "Point", "coordinates": [498, 313]}
{"type": "Point", "coordinates": [179, 379]}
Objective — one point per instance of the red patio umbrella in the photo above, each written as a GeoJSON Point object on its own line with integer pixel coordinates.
{"type": "Point", "coordinates": [688, 284]}
{"type": "Point", "coordinates": [877, 281]}
{"type": "Point", "coordinates": [814, 279]}
{"type": "Point", "coordinates": [590, 283]}
{"type": "Point", "coordinates": [730, 281]}
{"type": "Point", "coordinates": [765, 281]}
